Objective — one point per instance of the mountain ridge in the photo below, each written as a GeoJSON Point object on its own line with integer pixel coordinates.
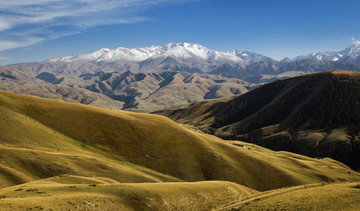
{"type": "Point", "coordinates": [184, 49]}
{"type": "Point", "coordinates": [195, 58]}
{"type": "Point", "coordinates": [314, 114]}
{"type": "Point", "coordinates": [147, 91]}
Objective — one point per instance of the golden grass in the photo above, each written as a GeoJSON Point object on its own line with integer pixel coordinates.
{"type": "Point", "coordinates": [344, 72]}
{"type": "Point", "coordinates": [337, 196]}
{"type": "Point", "coordinates": [68, 192]}
{"type": "Point", "coordinates": [41, 138]}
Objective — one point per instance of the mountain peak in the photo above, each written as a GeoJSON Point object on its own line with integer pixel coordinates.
{"type": "Point", "coordinates": [178, 50]}
{"type": "Point", "coordinates": [352, 51]}
{"type": "Point", "coordinates": [248, 55]}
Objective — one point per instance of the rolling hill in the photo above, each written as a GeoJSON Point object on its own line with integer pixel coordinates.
{"type": "Point", "coordinates": [315, 115]}
{"type": "Point", "coordinates": [138, 91]}
{"type": "Point", "coordinates": [62, 155]}
{"type": "Point", "coordinates": [339, 196]}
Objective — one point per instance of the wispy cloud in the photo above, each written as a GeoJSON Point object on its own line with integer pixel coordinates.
{"type": "Point", "coordinates": [9, 44]}
{"type": "Point", "coordinates": [26, 22]}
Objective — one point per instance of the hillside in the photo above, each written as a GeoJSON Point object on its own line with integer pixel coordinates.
{"type": "Point", "coordinates": [68, 192]}
{"type": "Point", "coordinates": [103, 150]}
{"type": "Point", "coordinates": [91, 143]}
{"type": "Point", "coordinates": [129, 90]}
{"type": "Point", "coordinates": [315, 115]}
{"type": "Point", "coordinates": [338, 196]}
{"type": "Point", "coordinates": [146, 140]}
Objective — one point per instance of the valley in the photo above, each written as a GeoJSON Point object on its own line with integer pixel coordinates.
{"type": "Point", "coordinates": [187, 105]}
{"type": "Point", "coordinates": [89, 155]}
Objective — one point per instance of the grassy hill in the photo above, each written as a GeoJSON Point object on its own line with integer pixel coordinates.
{"type": "Point", "coordinates": [337, 196]}
{"type": "Point", "coordinates": [315, 115]}
{"type": "Point", "coordinates": [47, 139]}
{"type": "Point", "coordinates": [68, 192]}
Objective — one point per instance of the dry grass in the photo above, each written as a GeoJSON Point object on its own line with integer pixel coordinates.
{"type": "Point", "coordinates": [338, 196]}
{"type": "Point", "coordinates": [43, 138]}
{"type": "Point", "coordinates": [343, 72]}
{"type": "Point", "coordinates": [82, 193]}
{"type": "Point", "coordinates": [56, 137]}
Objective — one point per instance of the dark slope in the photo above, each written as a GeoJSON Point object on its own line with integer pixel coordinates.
{"type": "Point", "coordinates": [316, 115]}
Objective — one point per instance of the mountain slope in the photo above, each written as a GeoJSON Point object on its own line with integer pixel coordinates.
{"type": "Point", "coordinates": [57, 155]}
{"type": "Point", "coordinates": [315, 115]}
{"type": "Point", "coordinates": [159, 90]}
{"type": "Point", "coordinates": [140, 91]}
{"type": "Point", "coordinates": [132, 147]}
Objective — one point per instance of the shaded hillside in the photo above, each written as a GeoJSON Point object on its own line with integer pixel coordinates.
{"type": "Point", "coordinates": [315, 115]}
{"type": "Point", "coordinates": [43, 138]}
{"type": "Point", "coordinates": [139, 91]}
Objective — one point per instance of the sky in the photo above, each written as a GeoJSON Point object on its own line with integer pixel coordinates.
{"type": "Point", "coordinates": [36, 30]}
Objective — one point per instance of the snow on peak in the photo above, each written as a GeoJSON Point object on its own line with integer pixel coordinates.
{"type": "Point", "coordinates": [190, 50]}
{"type": "Point", "coordinates": [181, 51]}
{"type": "Point", "coordinates": [248, 55]}
{"type": "Point", "coordinates": [352, 51]}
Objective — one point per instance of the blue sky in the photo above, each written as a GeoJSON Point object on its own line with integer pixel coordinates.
{"type": "Point", "coordinates": [35, 30]}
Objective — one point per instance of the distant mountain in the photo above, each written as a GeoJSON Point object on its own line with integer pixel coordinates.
{"type": "Point", "coordinates": [348, 55]}
{"type": "Point", "coordinates": [147, 91]}
{"type": "Point", "coordinates": [249, 56]}
{"type": "Point", "coordinates": [195, 58]}
{"type": "Point", "coordinates": [317, 115]}
{"type": "Point", "coordinates": [181, 51]}
{"type": "Point", "coordinates": [173, 56]}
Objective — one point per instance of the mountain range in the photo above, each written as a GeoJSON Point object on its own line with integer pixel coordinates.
{"type": "Point", "coordinates": [194, 58]}
{"type": "Point", "coordinates": [145, 78]}
{"type": "Point", "coordinates": [147, 91]}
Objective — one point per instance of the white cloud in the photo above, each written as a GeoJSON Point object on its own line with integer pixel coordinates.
{"type": "Point", "coordinates": [8, 44]}
{"type": "Point", "coordinates": [355, 41]}
{"type": "Point", "coordinates": [4, 25]}
{"type": "Point", "coordinates": [34, 20]}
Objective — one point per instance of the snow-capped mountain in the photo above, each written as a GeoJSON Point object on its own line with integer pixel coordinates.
{"type": "Point", "coordinates": [249, 56]}
{"type": "Point", "coordinates": [109, 55]}
{"type": "Point", "coordinates": [189, 50]}
{"type": "Point", "coordinates": [180, 51]}
{"type": "Point", "coordinates": [321, 56]}
{"type": "Point", "coordinates": [345, 55]}
{"type": "Point", "coordinates": [195, 58]}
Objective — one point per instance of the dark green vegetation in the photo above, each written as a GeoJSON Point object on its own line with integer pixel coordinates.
{"type": "Point", "coordinates": [317, 115]}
